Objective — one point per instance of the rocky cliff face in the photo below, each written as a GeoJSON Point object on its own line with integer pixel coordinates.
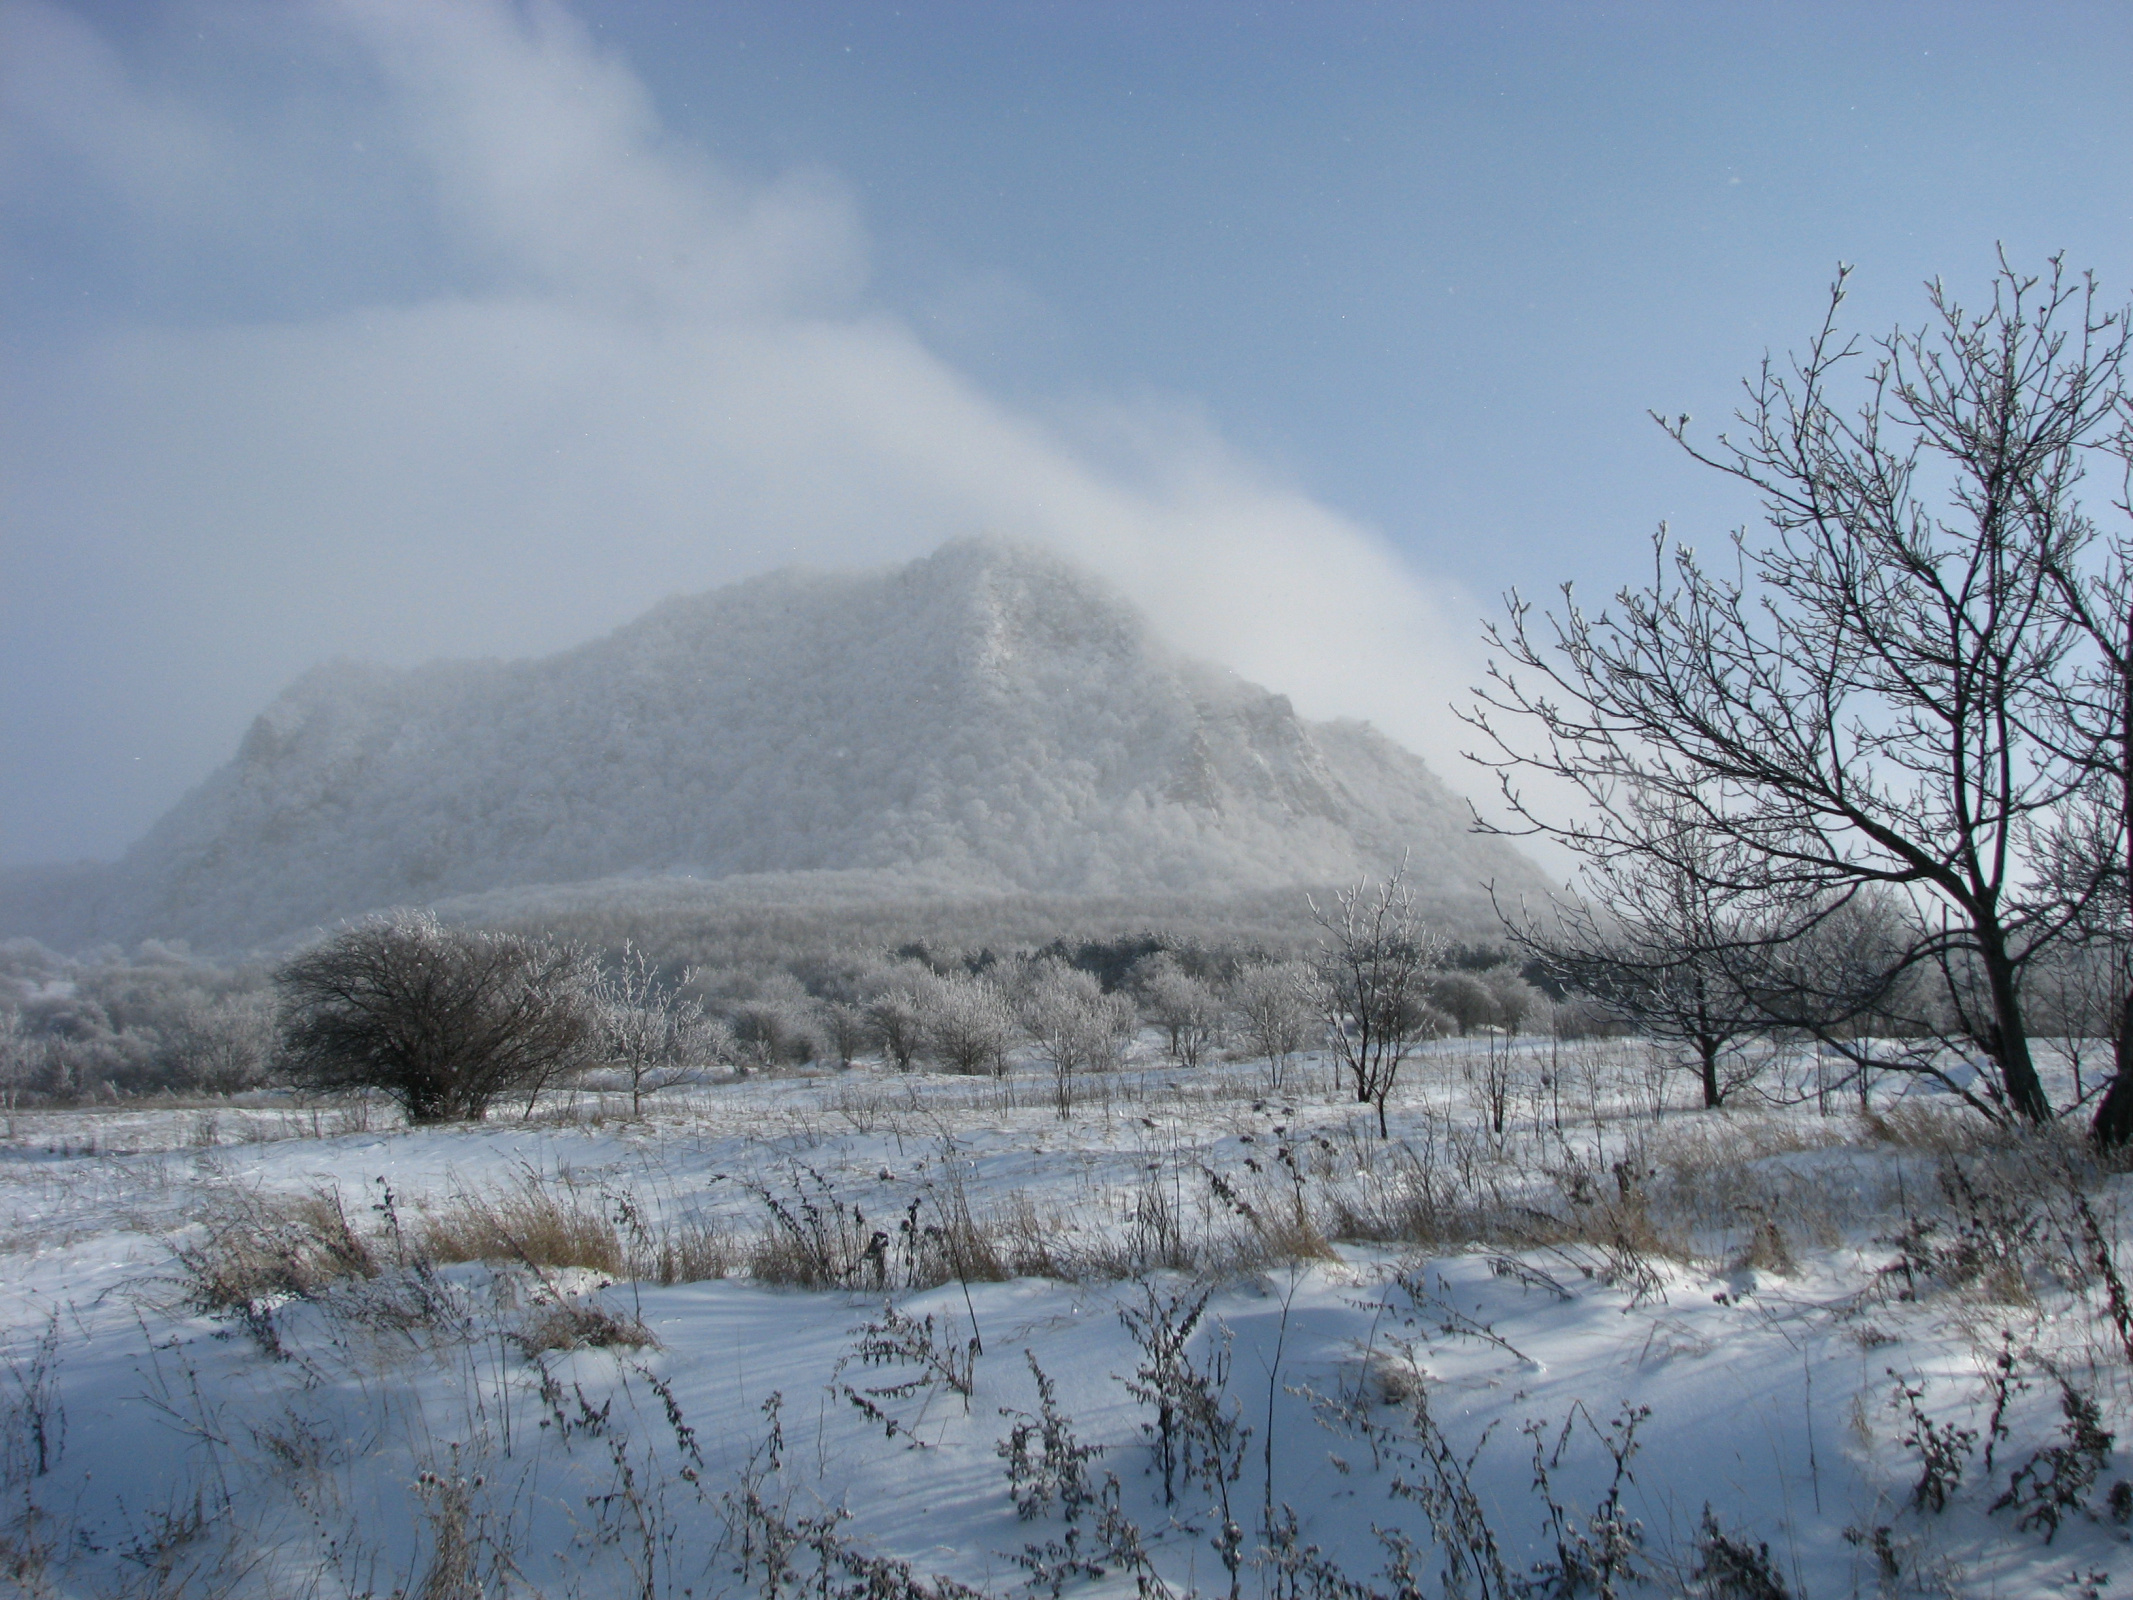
{"type": "Point", "coordinates": [986, 718]}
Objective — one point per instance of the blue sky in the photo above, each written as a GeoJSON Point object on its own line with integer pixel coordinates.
{"type": "Point", "coordinates": [397, 329]}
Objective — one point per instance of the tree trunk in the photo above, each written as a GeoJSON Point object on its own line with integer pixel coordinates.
{"type": "Point", "coordinates": [2018, 1073]}
{"type": "Point", "coordinates": [1707, 1049]}
{"type": "Point", "coordinates": [2113, 1124]}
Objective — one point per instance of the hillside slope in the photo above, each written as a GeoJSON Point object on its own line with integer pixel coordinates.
{"type": "Point", "coordinates": [986, 719]}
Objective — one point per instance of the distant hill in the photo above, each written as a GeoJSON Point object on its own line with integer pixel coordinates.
{"type": "Point", "coordinates": [986, 720]}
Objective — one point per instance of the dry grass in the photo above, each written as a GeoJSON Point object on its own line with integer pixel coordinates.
{"type": "Point", "coordinates": [1030, 1243]}
{"type": "Point", "coordinates": [255, 1249]}
{"type": "Point", "coordinates": [1936, 1130]}
{"type": "Point", "coordinates": [1767, 1250]}
{"type": "Point", "coordinates": [581, 1325]}
{"type": "Point", "coordinates": [1272, 1221]}
{"type": "Point", "coordinates": [537, 1221]}
{"type": "Point", "coordinates": [1716, 1188]}
{"type": "Point", "coordinates": [1723, 1181]}
{"type": "Point", "coordinates": [812, 1238]}
{"type": "Point", "coordinates": [548, 1223]}
{"type": "Point", "coordinates": [685, 1250]}
{"type": "Point", "coordinates": [953, 1244]}
{"type": "Point", "coordinates": [2001, 1220]}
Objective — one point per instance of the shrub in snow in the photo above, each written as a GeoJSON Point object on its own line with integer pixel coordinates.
{"type": "Point", "coordinates": [1277, 1008]}
{"type": "Point", "coordinates": [1375, 962]}
{"type": "Point", "coordinates": [441, 1019]}
{"type": "Point", "coordinates": [1183, 1006]}
{"type": "Point", "coordinates": [966, 1023]}
{"type": "Point", "coordinates": [650, 1029]}
{"type": "Point", "coordinates": [1074, 1025]}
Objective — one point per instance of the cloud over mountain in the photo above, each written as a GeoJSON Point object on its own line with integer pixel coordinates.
{"type": "Point", "coordinates": [453, 346]}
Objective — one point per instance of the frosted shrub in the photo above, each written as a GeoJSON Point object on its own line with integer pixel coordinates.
{"type": "Point", "coordinates": [17, 1058]}
{"type": "Point", "coordinates": [1183, 1006]}
{"type": "Point", "coordinates": [1075, 1026]}
{"type": "Point", "coordinates": [779, 1022]}
{"type": "Point", "coordinates": [1375, 962]}
{"type": "Point", "coordinates": [965, 1022]}
{"type": "Point", "coordinates": [223, 1045]}
{"type": "Point", "coordinates": [652, 1030]}
{"type": "Point", "coordinates": [1276, 1006]}
{"type": "Point", "coordinates": [900, 1026]}
{"type": "Point", "coordinates": [1466, 999]}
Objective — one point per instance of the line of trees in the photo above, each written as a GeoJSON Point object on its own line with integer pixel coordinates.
{"type": "Point", "coordinates": [447, 1019]}
{"type": "Point", "coordinates": [156, 1022]}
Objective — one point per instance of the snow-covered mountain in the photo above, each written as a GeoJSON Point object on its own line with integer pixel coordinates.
{"type": "Point", "coordinates": [987, 718]}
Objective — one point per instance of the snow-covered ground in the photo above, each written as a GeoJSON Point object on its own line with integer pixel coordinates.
{"type": "Point", "coordinates": [1417, 1362]}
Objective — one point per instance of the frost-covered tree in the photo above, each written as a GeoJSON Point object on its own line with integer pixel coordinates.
{"type": "Point", "coordinates": [17, 1058]}
{"type": "Point", "coordinates": [649, 1027]}
{"type": "Point", "coordinates": [223, 1044]}
{"type": "Point", "coordinates": [965, 1022]}
{"type": "Point", "coordinates": [1277, 1007]}
{"type": "Point", "coordinates": [898, 1023]}
{"type": "Point", "coordinates": [1466, 998]}
{"type": "Point", "coordinates": [1375, 962]}
{"type": "Point", "coordinates": [1184, 1006]}
{"type": "Point", "coordinates": [849, 1029]}
{"type": "Point", "coordinates": [1517, 1001]}
{"type": "Point", "coordinates": [776, 1019]}
{"type": "Point", "coordinates": [1073, 1024]}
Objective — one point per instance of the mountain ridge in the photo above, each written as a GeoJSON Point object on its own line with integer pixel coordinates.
{"type": "Point", "coordinates": [987, 716]}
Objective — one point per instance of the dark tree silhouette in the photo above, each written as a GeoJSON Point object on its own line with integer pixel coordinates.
{"type": "Point", "coordinates": [443, 1019]}
{"type": "Point", "coordinates": [1864, 696]}
{"type": "Point", "coordinates": [1659, 946]}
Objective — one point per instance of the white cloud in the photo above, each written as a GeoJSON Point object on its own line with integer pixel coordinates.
{"type": "Point", "coordinates": [653, 375]}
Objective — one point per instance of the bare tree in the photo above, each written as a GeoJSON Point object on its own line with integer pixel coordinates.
{"type": "Point", "coordinates": [1658, 941]}
{"type": "Point", "coordinates": [1375, 960]}
{"type": "Point", "coordinates": [443, 1019]}
{"type": "Point", "coordinates": [648, 1027]}
{"type": "Point", "coordinates": [1646, 966]}
{"type": "Point", "coordinates": [2079, 994]}
{"type": "Point", "coordinates": [1852, 971]}
{"type": "Point", "coordinates": [1860, 697]}
{"type": "Point", "coordinates": [2092, 857]}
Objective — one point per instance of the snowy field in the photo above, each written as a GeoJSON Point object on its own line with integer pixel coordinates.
{"type": "Point", "coordinates": [1560, 1333]}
